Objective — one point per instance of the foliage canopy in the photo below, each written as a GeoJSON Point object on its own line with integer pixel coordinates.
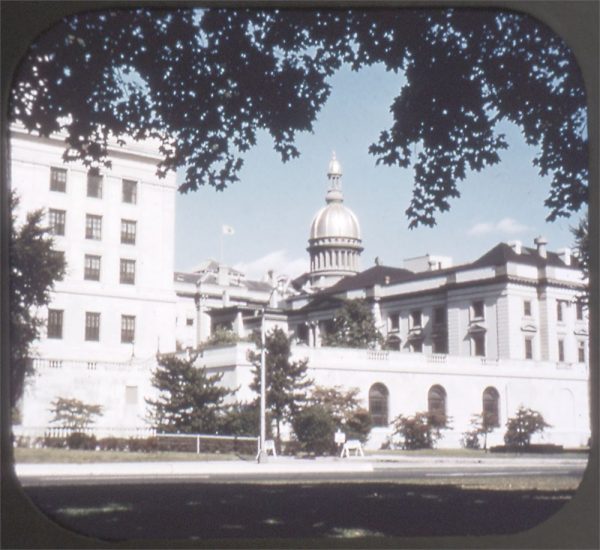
{"type": "Point", "coordinates": [74, 414]}
{"type": "Point", "coordinates": [204, 82]}
{"type": "Point", "coordinates": [353, 327]}
{"type": "Point", "coordinates": [522, 426]}
{"type": "Point", "coordinates": [34, 268]}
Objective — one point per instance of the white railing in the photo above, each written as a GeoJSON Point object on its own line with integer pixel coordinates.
{"type": "Point", "coordinates": [98, 432]}
{"type": "Point", "coordinates": [377, 355]}
{"type": "Point", "coordinates": [209, 437]}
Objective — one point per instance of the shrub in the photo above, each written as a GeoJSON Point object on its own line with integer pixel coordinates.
{"type": "Point", "coordinates": [55, 442]}
{"type": "Point", "coordinates": [358, 425]}
{"type": "Point", "coordinates": [522, 426]}
{"type": "Point", "coordinates": [146, 445]}
{"type": "Point", "coordinates": [421, 431]}
{"type": "Point", "coordinates": [81, 441]}
{"type": "Point", "coordinates": [315, 429]}
{"type": "Point", "coordinates": [112, 444]}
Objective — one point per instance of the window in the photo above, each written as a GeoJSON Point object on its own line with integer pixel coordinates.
{"type": "Point", "coordinates": [55, 323]}
{"type": "Point", "coordinates": [92, 327]}
{"type": "Point", "coordinates": [91, 271]}
{"type": "Point", "coordinates": [527, 308]}
{"type": "Point", "coordinates": [56, 219]}
{"type": "Point", "coordinates": [60, 257]}
{"type": "Point", "coordinates": [93, 227]}
{"type": "Point", "coordinates": [58, 180]}
{"type": "Point", "coordinates": [393, 343]}
{"type": "Point", "coordinates": [378, 404]}
{"type": "Point", "coordinates": [302, 333]}
{"type": "Point", "coordinates": [127, 329]}
{"type": "Point", "coordinates": [94, 184]}
{"type": "Point", "coordinates": [439, 316]}
{"type": "Point", "coordinates": [415, 318]}
{"type": "Point", "coordinates": [440, 344]}
{"type": "Point", "coordinates": [579, 310]}
{"type": "Point", "coordinates": [128, 231]}
{"type": "Point", "coordinates": [491, 407]}
{"type": "Point", "coordinates": [528, 348]}
{"type": "Point", "coordinates": [394, 321]}
{"type": "Point", "coordinates": [581, 351]}
{"type": "Point", "coordinates": [127, 272]}
{"type": "Point", "coordinates": [477, 309]}
{"type": "Point", "coordinates": [478, 344]}
{"type": "Point", "coordinates": [561, 350]}
{"type": "Point", "coordinates": [131, 395]}
{"type": "Point", "coordinates": [130, 191]}
{"type": "Point", "coordinates": [559, 310]}
{"type": "Point", "coordinates": [417, 346]}
{"type": "Point", "coordinates": [189, 322]}
{"type": "Point", "coordinates": [436, 404]}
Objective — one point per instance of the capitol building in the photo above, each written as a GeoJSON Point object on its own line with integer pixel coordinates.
{"type": "Point", "coordinates": [502, 331]}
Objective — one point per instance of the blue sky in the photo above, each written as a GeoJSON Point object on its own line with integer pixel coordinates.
{"type": "Point", "coordinates": [273, 204]}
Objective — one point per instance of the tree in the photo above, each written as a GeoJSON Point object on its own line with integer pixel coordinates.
{"type": "Point", "coordinates": [34, 268]}
{"type": "Point", "coordinates": [204, 82]}
{"type": "Point", "coordinates": [481, 425]}
{"type": "Point", "coordinates": [315, 428]}
{"type": "Point", "coordinates": [286, 380]}
{"type": "Point", "coordinates": [353, 327]}
{"type": "Point", "coordinates": [74, 414]}
{"type": "Point", "coordinates": [241, 419]}
{"type": "Point", "coordinates": [223, 337]}
{"type": "Point", "coordinates": [421, 431]}
{"type": "Point", "coordinates": [189, 400]}
{"type": "Point", "coordinates": [522, 426]}
{"type": "Point", "coordinates": [344, 407]}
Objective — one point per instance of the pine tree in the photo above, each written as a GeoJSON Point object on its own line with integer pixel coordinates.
{"type": "Point", "coordinates": [286, 380]}
{"type": "Point", "coordinates": [190, 401]}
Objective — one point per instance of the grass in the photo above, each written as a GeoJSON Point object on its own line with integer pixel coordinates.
{"type": "Point", "coordinates": [473, 453]}
{"type": "Point", "coordinates": [39, 456]}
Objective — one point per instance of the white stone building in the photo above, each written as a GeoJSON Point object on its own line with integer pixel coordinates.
{"type": "Point", "coordinates": [502, 331]}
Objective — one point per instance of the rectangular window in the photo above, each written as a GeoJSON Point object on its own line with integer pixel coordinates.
{"type": "Point", "coordinates": [127, 329]}
{"type": "Point", "coordinates": [60, 257]}
{"type": "Point", "coordinates": [439, 316]}
{"type": "Point", "coordinates": [559, 310]}
{"type": "Point", "coordinates": [417, 346]}
{"type": "Point", "coordinates": [58, 180]}
{"type": "Point", "coordinates": [581, 351]}
{"type": "Point", "coordinates": [579, 310]}
{"type": "Point", "coordinates": [528, 348]}
{"type": "Point", "coordinates": [477, 309]}
{"type": "Point", "coordinates": [57, 220]}
{"type": "Point", "coordinates": [128, 231]}
{"type": "Point", "coordinates": [527, 308]}
{"type": "Point", "coordinates": [92, 327]}
{"type": "Point", "coordinates": [94, 184]}
{"type": "Point", "coordinates": [479, 345]}
{"type": "Point", "coordinates": [93, 227]}
{"type": "Point", "coordinates": [131, 395]}
{"type": "Point", "coordinates": [561, 350]}
{"type": "Point", "coordinates": [415, 317]}
{"type": "Point", "coordinates": [440, 344]}
{"type": "Point", "coordinates": [55, 323]}
{"type": "Point", "coordinates": [127, 272]}
{"type": "Point", "coordinates": [91, 270]}
{"type": "Point", "coordinates": [394, 321]}
{"type": "Point", "coordinates": [189, 322]}
{"type": "Point", "coordinates": [130, 191]}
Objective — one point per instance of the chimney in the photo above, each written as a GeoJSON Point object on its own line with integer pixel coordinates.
{"type": "Point", "coordinates": [565, 255]}
{"type": "Point", "coordinates": [516, 246]}
{"type": "Point", "coordinates": [541, 243]}
{"type": "Point", "coordinates": [432, 265]}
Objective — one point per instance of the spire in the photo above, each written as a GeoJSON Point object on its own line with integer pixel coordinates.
{"type": "Point", "coordinates": [334, 174]}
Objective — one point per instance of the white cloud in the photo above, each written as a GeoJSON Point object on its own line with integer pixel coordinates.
{"type": "Point", "coordinates": [506, 226]}
{"type": "Point", "coordinates": [278, 261]}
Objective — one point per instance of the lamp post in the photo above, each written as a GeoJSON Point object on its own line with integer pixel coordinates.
{"type": "Point", "coordinates": [262, 453]}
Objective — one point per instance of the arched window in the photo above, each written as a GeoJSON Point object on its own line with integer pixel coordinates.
{"type": "Point", "coordinates": [491, 407]}
{"type": "Point", "coordinates": [436, 404]}
{"type": "Point", "coordinates": [378, 404]}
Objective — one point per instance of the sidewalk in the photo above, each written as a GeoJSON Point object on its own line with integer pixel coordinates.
{"type": "Point", "coordinates": [286, 465]}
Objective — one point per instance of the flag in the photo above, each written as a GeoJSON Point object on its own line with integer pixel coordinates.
{"type": "Point", "coordinates": [228, 230]}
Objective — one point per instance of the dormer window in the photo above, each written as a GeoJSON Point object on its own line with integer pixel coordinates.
{"type": "Point", "coordinates": [477, 310]}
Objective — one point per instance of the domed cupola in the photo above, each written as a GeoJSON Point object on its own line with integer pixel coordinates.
{"type": "Point", "coordinates": [334, 244]}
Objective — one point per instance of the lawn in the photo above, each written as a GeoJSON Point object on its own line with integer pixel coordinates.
{"type": "Point", "coordinates": [82, 457]}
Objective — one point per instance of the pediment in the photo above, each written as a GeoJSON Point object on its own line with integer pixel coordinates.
{"type": "Point", "coordinates": [528, 328]}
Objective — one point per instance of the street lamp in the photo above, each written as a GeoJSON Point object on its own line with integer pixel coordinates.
{"type": "Point", "coordinates": [262, 453]}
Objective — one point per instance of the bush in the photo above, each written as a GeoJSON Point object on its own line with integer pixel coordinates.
{"type": "Point", "coordinates": [81, 441]}
{"type": "Point", "coordinates": [522, 426]}
{"type": "Point", "coordinates": [51, 442]}
{"type": "Point", "coordinates": [242, 419]}
{"type": "Point", "coordinates": [315, 430]}
{"type": "Point", "coordinates": [146, 445]}
{"type": "Point", "coordinates": [420, 431]}
{"type": "Point", "coordinates": [112, 444]}
{"type": "Point", "coordinates": [358, 425]}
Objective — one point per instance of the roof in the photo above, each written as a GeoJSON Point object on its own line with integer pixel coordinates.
{"type": "Point", "coordinates": [375, 275]}
{"type": "Point", "coordinates": [503, 253]}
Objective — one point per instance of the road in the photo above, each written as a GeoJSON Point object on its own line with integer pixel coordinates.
{"type": "Point", "coordinates": [386, 502]}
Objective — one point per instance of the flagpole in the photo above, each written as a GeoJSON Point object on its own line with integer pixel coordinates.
{"type": "Point", "coordinates": [221, 247]}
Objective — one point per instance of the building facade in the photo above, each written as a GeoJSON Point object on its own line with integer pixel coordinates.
{"type": "Point", "coordinates": [502, 331]}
